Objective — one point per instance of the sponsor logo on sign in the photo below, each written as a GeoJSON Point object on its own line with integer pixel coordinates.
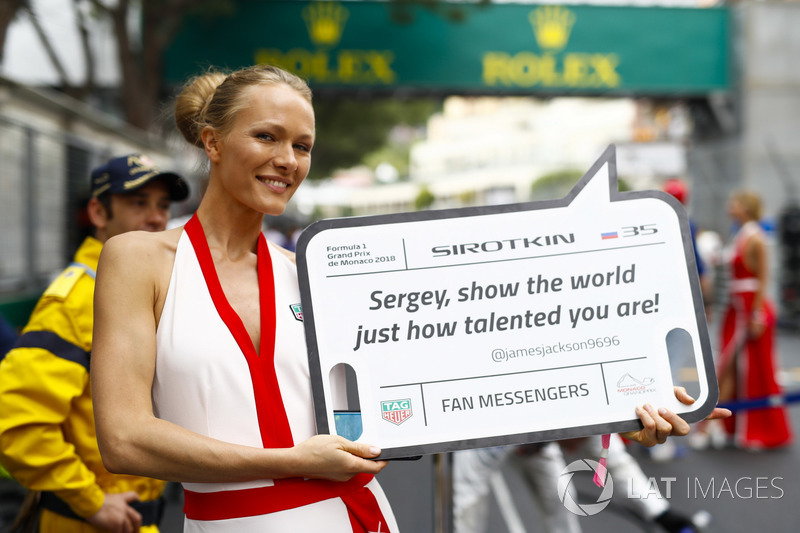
{"type": "Point", "coordinates": [553, 66]}
{"type": "Point", "coordinates": [628, 385]}
{"type": "Point", "coordinates": [324, 62]}
{"type": "Point", "coordinates": [552, 26]}
{"type": "Point", "coordinates": [297, 310]}
{"type": "Point", "coordinates": [325, 22]}
{"type": "Point", "coordinates": [396, 411]}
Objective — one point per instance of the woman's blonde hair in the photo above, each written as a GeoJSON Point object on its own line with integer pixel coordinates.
{"type": "Point", "coordinates": [213, 99]}
{"type": "Point", "coordinates": [750, 202]}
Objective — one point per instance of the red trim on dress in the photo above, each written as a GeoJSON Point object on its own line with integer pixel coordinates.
{"type": "Point", "coordinates": [290, 494]}
{"type": "Point", "coordinates": [272, 421]}
{"type": "Point", "coordinates": [364, 511]}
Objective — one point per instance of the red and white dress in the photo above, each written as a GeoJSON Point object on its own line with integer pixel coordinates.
{"type": "Point", "coordinates": [210, 379]}
{"type": "Point", "coordinates": [754, 357]}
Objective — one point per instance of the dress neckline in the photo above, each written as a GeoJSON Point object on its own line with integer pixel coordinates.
{"type": "Point", "coordinates": [273, 424]}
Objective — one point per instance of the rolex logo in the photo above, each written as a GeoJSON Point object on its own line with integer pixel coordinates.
{"type": "Point", "coordinates": [325, 22]}
{"type": "Point", "coordinates": [552, 26]}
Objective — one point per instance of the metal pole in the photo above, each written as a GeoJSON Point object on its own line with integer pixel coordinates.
{"type": "Point", "coordinates": [30, 214]}
{"type": "Point", "coordinates": [443, 504]}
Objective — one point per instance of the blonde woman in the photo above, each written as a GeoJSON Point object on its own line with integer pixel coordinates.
{"type": "Point", "coordinates": [747, 363]}
{"type": "Point", "coordinates": [225, 407]}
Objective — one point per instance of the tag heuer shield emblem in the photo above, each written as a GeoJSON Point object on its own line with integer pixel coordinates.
{"type": "Point", "coordinates": [297, 310]}
{"type": "Point", "coordinates": [396, 411]}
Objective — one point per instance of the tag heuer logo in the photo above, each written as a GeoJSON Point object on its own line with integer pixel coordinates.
{"type": "Point", "coordinates": [396, 411]}
{"type": "Point", "coordinates": [297, 309]}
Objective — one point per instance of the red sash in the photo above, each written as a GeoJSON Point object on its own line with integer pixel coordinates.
{"type": "Point", "coordinates": [288, 494]}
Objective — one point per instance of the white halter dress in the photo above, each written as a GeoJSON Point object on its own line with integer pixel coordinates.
{"type": "Point", "coordinates": [210, 379]}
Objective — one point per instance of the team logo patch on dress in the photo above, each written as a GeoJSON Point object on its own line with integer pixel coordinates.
{"type": "Point", "coordinates": [297, 310]}
{"type": "Point", "coordinates": [396, 411]}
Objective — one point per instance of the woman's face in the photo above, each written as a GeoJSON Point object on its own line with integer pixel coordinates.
{"type": "Point", "coordinates": [267, 152]}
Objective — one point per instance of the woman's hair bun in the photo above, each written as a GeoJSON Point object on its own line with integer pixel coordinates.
{"type": "Point", "coordinates": [192, 103]}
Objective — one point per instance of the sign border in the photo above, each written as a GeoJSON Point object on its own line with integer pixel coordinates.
{"type": "Point", "coordinates": [615, 195]}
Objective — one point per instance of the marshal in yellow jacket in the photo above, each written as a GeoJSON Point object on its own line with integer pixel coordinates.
{"type": "Point", "coordinates": [47, 433]}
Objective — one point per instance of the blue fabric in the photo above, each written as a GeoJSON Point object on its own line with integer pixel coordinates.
{"type": "Point", "coordinates": [8, 336]}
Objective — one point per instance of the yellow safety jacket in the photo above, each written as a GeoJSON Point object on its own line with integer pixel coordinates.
{"type": "Point", "coordinates": [47, 433]}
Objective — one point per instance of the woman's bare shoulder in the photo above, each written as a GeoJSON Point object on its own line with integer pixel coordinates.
{"type": "Point", "coordinates": [141, 250]}
{"type": "Point", "coordinates": [143, 245]}
{"type": "Point", "coordinates": [139, 263]}
{"type": "Point", "coordinates": [289, 255]}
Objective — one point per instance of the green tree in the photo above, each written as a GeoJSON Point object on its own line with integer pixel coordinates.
{"type": "Point", "coordinates": [424, 199]}
{"type": "Point", "coordinates": [140, 51]}
{"type": "Point", "coordinates": [557, 184]}
{"type": "Point", "coordinates": [141, 56]}
{"type": "Point", "coordinates": [348, 129]}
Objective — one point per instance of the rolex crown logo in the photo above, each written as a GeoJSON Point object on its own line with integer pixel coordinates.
{"type": "Point", "coordinates": [325, 22]}
{"type": "Point", "coordinates": [552, 26]}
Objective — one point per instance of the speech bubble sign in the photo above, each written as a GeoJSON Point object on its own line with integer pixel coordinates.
{"type": "Point", "coordinates": [506, 324]}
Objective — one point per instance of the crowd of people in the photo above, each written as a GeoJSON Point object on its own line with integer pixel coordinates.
{"type": "Point", "coordinates": [173, 355]}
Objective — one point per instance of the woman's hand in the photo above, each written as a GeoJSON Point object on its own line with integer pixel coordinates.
{"type": "Point", "coordinates": [335, 458]}
{"type": "Point", "coordinates": [661, 423]}
{"type": "Point", "coordinates": [756, 326]}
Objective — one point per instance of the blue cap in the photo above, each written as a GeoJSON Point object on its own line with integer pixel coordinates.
{"type": "Point", "coordinates": [124, 174]}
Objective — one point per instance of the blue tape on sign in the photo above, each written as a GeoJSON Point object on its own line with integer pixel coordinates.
{"type": "Point", "coordinates": [760, 403]}
{"type": "Point", "coordinates": [348, 424]}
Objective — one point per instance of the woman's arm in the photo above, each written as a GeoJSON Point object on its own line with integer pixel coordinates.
{"type": "Point", "coordinates": [132, 440]}
{"type": "Point", "coordinates": [755, 259]}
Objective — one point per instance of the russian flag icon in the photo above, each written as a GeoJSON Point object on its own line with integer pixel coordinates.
{"type": "Point", "coordinates": [609, 235]}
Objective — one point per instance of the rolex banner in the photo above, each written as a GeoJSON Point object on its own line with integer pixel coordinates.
{"type": "Point", "coordinates": [506, 324]}
{"type": "Point", "coordinates": [474, 47]}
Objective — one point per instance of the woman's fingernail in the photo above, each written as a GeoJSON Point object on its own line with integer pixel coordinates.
{"type": "Point", "coordinates": [663, 411]}
{"type": "Point", "coordinates": [374, 450]}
